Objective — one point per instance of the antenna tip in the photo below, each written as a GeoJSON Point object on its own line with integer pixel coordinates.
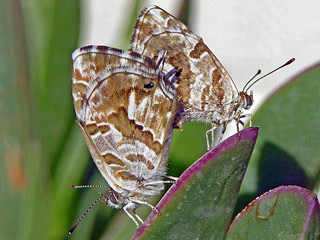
{"type": "Point", "coordinates": [71, 230]}
{"type": "Point", "coordinates": [290, 61]}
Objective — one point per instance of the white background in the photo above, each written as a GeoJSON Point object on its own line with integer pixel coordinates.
{"type": "Point", "coordinates": [245, 35]}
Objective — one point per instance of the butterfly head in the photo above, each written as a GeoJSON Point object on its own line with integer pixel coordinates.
{"type": "Point", "coordinates": [112, 199]}
{"type": "Point", "coordinates": [246, 99]}
{"type": "Point", "coordinates": [244, 102]}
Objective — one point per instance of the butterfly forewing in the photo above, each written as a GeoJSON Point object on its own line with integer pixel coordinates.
{"type": "Point", "coordinates": [125, 117]}
{"type": "Point", "coordinates": [205, 89]}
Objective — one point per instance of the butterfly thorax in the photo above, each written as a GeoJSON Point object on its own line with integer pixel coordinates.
{"type": "Point", "coordinates": [221, 112]}
{"type": "Point", "coordinates": [244, 102]}
{"type": "Point", "coordinates": [236, 108]}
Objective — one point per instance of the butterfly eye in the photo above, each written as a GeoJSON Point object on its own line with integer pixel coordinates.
{"type": "Point", "coordinates": [149, 85]}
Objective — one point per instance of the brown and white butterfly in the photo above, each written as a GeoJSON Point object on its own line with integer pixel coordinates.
{"type": "Point", "coordinates": [125, 108]}
{"type": "Point", "coordinates": [205, 90]}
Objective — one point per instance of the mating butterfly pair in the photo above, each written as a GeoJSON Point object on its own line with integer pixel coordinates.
{"type": "Point", "coordinates": [128, 102]}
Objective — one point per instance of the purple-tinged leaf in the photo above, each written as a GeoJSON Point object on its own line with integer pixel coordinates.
{"type": "Point", "coordinates": [287, 152]}
{"type": "Point", "coordinates": [200, 204]}
{"type": "Point", "coordinates": [286, 212]}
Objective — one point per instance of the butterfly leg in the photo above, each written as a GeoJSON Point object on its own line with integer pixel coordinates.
{"type": "Point", "coordinates": [125, 209]}
{"type": "Point", "coordinates": [248, 115]}
{"type": "Point", "coordinates": [172, 178]}
{"type": "Point", "coordinates": [179, 126]}
{"type": "Point", "coordinates": [210, 131]}
{"type": "Point", "coordinates": [218, 134]}
{"type": "Point", "coordinates": [161, 58]}
{"type": "Point", "coordinates": [145, 203]}
{"type": "Point", "coordinates": [212, 137]}
{"type": "Point", "coordinates": [158, 182]}
{"type": "Point", "coordinates": [137, 216]}
{"type": "Point", "coordinates": [173, 75]}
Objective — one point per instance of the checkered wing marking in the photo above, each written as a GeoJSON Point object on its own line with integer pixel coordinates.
{"type": "Point", "coordinates": [202, 73]}
{"type": "Point", "coordinates": [127, 126]}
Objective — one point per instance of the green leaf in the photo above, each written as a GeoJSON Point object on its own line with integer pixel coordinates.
{"type": "Point", "coordinates": [131, 17]}
{"type": "Point", "coordinates": [71, 169]}
{"type": "Point", "coordinates": [287, 212]}
{"type": "Point", "coordinates": [36, 44]}
{"type": "Point", "coordinates": [52, 35]}
{"type": "Point", "coordinates": [287, 152]}
{"type": "Point", "coordinates": [186, 146]}
{"type": "Point", "coordinates": [200, 204]}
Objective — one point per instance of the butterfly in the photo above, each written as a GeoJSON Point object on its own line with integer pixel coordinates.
{"type": "Point", "coordinates": [205, 90]}
{"type": "Point", "coordinates": [125, 107]}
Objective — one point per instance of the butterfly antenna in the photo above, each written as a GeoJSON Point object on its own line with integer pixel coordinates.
{"type": "Point", "coordinates": [286, 64]}
{"type": "Point", "coordinates": [87, 186]}
{"type": "Point", "coordinates": [84, 214]}
{"type": "Point", "coordinates": [259, 72]}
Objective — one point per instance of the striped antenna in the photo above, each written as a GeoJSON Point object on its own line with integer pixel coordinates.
{"type": "Point", "coordinates": [92, 205]}
{"type": "Point", "coordinates": [85, 213]}
{"type": "Point", "coordinates": [87, 186]}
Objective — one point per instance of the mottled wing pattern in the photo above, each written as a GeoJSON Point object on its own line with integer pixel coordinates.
{"type": "Point", "coordinates": [124, 115]}
{"type": "Point", "coordinates": [204, 86]}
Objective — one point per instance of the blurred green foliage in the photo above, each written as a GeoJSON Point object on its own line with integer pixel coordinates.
{"type": "Point", "coordinates": [39, 140]}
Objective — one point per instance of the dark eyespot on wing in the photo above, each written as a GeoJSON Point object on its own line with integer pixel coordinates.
{"type": "Point", "coordinates": [149, 85]}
